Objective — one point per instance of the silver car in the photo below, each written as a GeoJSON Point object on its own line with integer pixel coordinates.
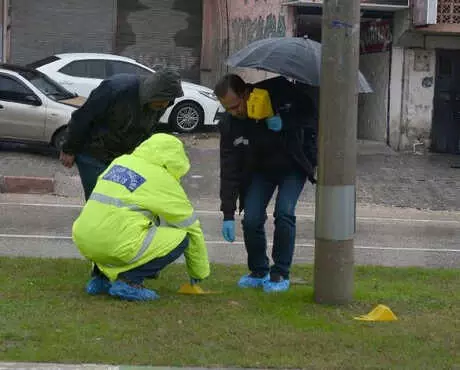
{"type": "Point", "coordinates": [33, 107]}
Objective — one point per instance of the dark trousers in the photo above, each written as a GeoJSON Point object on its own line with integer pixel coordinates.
{"type": "Point", "coordinates": [151, 269]}
{"type": "Point", "coordinates": [257, 198]}
{"type": "Point", "coordinates": [89, 169]}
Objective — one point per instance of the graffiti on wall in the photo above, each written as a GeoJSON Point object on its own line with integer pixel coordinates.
{"type": "Point", "coordinates": [246, 30]}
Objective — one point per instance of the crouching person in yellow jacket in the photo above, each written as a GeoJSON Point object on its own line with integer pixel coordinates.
{"type": "Point", "coordinates": [138, 220]}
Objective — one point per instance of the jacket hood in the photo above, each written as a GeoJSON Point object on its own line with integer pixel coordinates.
{"type": "Point", "coordinates": [166, 151]}
{"type": "Point", "coordinates": [160, 86]}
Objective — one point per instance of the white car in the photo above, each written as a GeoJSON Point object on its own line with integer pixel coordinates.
{"type": "Point", "coordinates": [83, 72]}
{"type": "Point", "coordinates": [33, 107]}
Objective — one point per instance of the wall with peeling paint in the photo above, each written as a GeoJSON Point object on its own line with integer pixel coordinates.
{"type": "Point", "coordinates": [411, 98]}
{"type": "Point", "coordinates": [251, 20]}
{"type": "Point", "coordinates": [417, 99]}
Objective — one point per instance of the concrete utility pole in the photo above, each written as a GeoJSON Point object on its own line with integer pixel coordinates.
{"type": "Point", "coordinates": [335, 191]}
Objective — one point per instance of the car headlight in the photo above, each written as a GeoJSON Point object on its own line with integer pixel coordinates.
{"type": "Point", "coordinates": [208, 94]}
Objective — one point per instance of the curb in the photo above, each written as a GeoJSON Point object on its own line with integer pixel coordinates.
{"type": "Point", "coordinates": [27, 185]}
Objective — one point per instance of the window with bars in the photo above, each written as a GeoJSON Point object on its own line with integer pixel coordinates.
{"type": "Point", "coordinates": [449, 11]}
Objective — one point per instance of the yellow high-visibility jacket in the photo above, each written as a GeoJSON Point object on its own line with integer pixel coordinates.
{"type": "Point", "coordinates": [139, 211]}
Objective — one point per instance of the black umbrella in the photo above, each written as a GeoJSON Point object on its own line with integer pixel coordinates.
{"type": "Point", "coordinates": [293, 57]}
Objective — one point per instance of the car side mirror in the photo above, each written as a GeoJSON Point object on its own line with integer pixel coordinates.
{"type": "Point", "coordinates": [32, 99]}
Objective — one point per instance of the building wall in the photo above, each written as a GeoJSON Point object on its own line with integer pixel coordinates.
{"type": "Point", "coordinates": [417, 97]}
{"type": "Point", "coordinates": [214, 48]}
{"type": "Point", "coordinates": [411, 100]}
{"type": "Point", "coordinates": [396, 96]}
{"type": "Point", "coordinates": [251, 20]}
{"type": "Point", "coordinates": [46, 27]}
{"type": "Point", "coordinates": [411, 86]}
{"type": "Point", "coordinates": [164, 32]}
{"type": "Point", "coordinates": [413, 75]}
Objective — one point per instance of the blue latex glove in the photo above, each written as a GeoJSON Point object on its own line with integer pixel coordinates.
{"type": "Point", "coordinates": [194, 281]}
{"type": "Point", "coordinates": [228, 230]}
{"type": "Point", "coordinates": [274, 123]}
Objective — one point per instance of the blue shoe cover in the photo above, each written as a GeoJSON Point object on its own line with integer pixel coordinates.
{"type": "Point", "coordinates": [248, 281]}
{"type": "Point", "coordinates": [276, 286]}
{"type": "Point", "coordinates": [98, 285]}
{"type": "Point", "coordinates": [127, 292]}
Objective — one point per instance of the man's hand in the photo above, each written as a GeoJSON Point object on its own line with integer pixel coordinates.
{"type": "Point", "coordinates": [228, 230]}
{"type": "Point", "coordinates": [67, 159]}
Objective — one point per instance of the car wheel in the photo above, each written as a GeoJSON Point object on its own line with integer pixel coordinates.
{"type": "Point", "coordinates": [59, 138]}
{"type": "Point", "coordinates": [187, 117]}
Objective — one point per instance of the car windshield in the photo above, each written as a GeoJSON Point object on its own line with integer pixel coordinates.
{"type": "Point", "coordinates": [47, 86]}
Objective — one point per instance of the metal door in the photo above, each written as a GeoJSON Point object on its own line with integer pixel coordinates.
{"type": "Point", "coordinates": [445, 133]}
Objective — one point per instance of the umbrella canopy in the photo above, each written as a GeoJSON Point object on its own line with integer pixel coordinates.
{"type": "Point", "coordinates": [293, 57]}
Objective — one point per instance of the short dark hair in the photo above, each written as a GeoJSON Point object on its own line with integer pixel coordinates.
{"type": "Point", "coordinates": [232, 82]}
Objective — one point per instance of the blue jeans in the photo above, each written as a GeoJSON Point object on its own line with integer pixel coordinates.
{"type": "Point", "coordinates": [257, 198]}
{"type": "Point", "coordinates": [89, 169]}
{"type": "Point", "coordinates": [152, 269]}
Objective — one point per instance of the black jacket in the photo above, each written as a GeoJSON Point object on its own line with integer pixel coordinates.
{"type": "Point", "coordinates": [248, 146]}
{"type": "Point", "coordinates": [116, 118]}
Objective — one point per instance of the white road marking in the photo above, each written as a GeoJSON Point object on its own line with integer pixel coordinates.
{"type": "Point", "coordinates": [221, 242]}
{"type": "Point", "coordinates": [210, 212]}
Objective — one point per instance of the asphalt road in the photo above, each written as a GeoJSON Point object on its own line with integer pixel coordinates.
{"type": "Point", "coordinates": [41, 226]}
{"type": "Point", "coordinates": [408, 207]}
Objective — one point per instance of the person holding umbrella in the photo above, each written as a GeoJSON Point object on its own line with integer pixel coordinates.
{"type": "Point", "coordinates": [259, 155]}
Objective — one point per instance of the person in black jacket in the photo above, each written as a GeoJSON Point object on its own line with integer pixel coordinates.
{"type": "Point", "coordinates": [258, 157]}
{"type": "Point", "coordinates": [117, 116]}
